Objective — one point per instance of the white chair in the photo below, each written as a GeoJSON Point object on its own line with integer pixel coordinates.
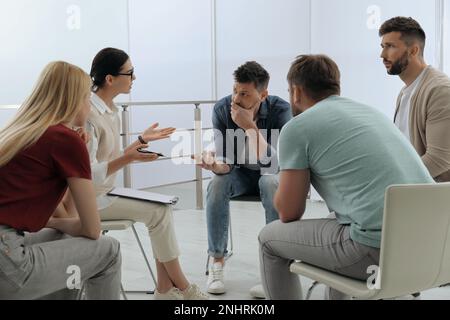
{"type": "Point", "coordinates": [415, 246]}
{"type": "Point", "coordinates": [120, 225]}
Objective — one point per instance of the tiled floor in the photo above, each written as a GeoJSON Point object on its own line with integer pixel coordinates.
{"type": "Point", "coordinates": [242, 270]}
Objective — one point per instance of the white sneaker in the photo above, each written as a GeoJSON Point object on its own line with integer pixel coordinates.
{"type": "Point", "coordinates": [193, 292]}
{"type": "Point", "coordinates": [215, 282]}
{"type": "Point", "coordinates": [257, 292]}
{"type": "Point", "coordinates": [172, 294]}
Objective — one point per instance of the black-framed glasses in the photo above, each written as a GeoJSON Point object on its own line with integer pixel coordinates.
{"type": "Point", "coordinates": [129, 74]}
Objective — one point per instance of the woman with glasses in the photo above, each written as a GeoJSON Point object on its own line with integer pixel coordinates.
{"type": "Point", "coordinates": [112, 74]}
{"type": "Point", "coordinates": [40, 158]}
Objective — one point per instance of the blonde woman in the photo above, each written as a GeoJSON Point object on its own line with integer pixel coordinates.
{"type": "Point", "coordinates": [40, 158]}
{"type": "Point", "coordinates": [113, 74]}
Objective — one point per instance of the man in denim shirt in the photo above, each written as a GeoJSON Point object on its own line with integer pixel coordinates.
{"type": "Point", "coordinates": [247, 126]}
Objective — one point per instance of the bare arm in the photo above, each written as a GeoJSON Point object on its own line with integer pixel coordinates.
{"type": "Point", "coordinates": [66, 209]}
{"type": "Point", "coordinates": [290, 199]}
{"type": "Point", "coordinates": [209, 162]}
{"type": "Point", "coordinates": [61, 211]}
{"type": "Point", "coordinates": [131, 154]}
{"type": "Point", "coordinates": [103, 170]}
{"type": "Point", "coordinates": [153, 133]}
{"type": "Point", "coordinates": [257, 143]}
{"type": "Point", "coordinates": [88, 223]}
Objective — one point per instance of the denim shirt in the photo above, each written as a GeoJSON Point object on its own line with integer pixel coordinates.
{"type": "Point", "coordinates": [273, 114]}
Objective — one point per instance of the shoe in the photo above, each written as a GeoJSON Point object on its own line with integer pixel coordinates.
{"type": "Point", "coordinates": [215, 282]}
{"type": "Point", "coordinates": [257, 292]}
{"type": "Point", "coordinates": [193, 292]}
{"type": "Point", "coordinates": [172, 294]}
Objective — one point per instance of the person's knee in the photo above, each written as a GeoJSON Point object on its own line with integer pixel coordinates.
{"type": "Point", "coordinates": [161, 217]}
{"type": "Point", "coordinates": [268, 185]}
{"type": "Point", "coordinates": [219, 186]}
{"type": "Point", "coordinates": [110, 247]}
{"type": "Point", "coordinates": [266, 234]}
{"type": "Point", "coordinates": [164, 213]}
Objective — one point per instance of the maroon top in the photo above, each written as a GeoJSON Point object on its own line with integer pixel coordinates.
{"type": "Point", "coordinates": [34, 182]}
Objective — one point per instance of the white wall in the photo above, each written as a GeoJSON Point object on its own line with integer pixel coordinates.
{"type": "Point", "coordinates": [171, 49]}
{"type": "Point", "coordinates": [172, 52]}
{"type": "Point", "coordinates": [348, 32]}
{"type": "Point", "coordinates": [270, 32]}
{"type": "Point", "coordinates": [170, 43]}
{"type": "Point", "coordinates": [33, 33]}
{"type": "Point", "coordinates": [6, 115]}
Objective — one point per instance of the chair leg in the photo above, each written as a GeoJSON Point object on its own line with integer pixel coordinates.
{"type": "Point", "coordinates": [145, 258]}
{"type": "Point", "coordinates": [124, 295]}
{"type": "Point", "coordinates": [310, 291]}
{"type": "Point", "coordinates": [231, 241]}
{"type": "Point", "coordinates": [80, 293]}
{"type": "Point", "coordinates": [207, 264]}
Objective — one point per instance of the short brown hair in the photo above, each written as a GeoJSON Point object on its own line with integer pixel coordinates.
{"type": "Point", "coordinates": [319, 76]}
{"type": "Point", "coordinates": [409, 28]}
{"type": "Point", "coordinates": [253, 72]}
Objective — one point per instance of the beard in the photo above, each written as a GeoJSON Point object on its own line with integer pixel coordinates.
{"type": "Point", "coordinates": [399, 66]}
{"type": "Point", "coordinates": [295, 110]}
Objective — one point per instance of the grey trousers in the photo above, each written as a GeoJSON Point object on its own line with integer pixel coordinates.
{"type": "Point", "coordinates": [42, 266]}
{"type": "Point", "coordinates": [322, 243]}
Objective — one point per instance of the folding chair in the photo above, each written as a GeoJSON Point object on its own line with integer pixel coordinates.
{"type": "Point", "coordinates": [120, 225]}
{"type": "Point", "coordinates": [415, 247]}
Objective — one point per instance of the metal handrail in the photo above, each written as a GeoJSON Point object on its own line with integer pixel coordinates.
{"type": "Point", "coordinates": [9, 107]}
{"type": "Point", "coordinates": [142, 104]}
{"type": "Point", "coordinates": [178, 130]}
{"type": "Point", "coordinates": [165, 103]}
{"type": "Point", "coordinates": [198, 137]}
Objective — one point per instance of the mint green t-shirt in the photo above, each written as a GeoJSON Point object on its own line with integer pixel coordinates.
{"type": "Point", "coordinates": [354, 153]}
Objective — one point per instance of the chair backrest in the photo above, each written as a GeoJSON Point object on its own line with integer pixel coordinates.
{"type": "Point", "coordinates": [415, 247]}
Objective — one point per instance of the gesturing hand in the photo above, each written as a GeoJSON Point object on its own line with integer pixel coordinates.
{"type": "Point", "coordinates": [154, 133]}
{"type": "Point", "coordinates": [208, 161]}
{"type": "Point", "coordinates": [134, 155]}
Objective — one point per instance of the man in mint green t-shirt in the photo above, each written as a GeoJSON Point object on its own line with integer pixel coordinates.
{"type": "Point", "coordinates": [350, 153]}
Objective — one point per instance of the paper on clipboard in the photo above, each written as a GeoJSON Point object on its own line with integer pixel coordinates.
{"type": "Point", "coordinates": [144, 196]}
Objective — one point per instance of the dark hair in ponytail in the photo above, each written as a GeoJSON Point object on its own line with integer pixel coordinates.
{"type": "Point", "coordinates": [108, 61]}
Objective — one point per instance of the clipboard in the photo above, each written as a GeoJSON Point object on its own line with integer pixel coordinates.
{"type": "Point", "coordinates": [144, 196]}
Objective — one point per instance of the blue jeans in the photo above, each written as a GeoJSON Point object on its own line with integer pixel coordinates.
{"type": "Point", "coordinates": [221, 190]}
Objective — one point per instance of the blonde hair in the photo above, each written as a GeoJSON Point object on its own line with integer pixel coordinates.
{"type": "Point", "coordinates": [56, 99]}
